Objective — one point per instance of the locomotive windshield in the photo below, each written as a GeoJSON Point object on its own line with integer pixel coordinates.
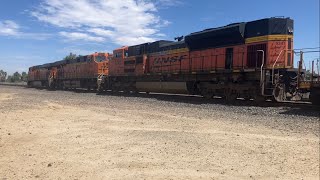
{"type": "Point", "coordinates": [101, 58]}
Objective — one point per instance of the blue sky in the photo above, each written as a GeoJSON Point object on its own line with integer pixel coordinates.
{"type": "Point", "coordinates": [39, 31]}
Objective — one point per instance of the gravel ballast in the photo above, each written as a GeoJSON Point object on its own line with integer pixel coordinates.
{"type": "Point", "coordinates": [81, 135]}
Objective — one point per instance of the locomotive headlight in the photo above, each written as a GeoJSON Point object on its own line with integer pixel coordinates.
{"type": "Point", "coordinates": [290, 30]}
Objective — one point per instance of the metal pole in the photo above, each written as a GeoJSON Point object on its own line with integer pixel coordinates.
{"type": "Point", "coordinates": [300, 68]}
{"type": "Point", "coordinates": [261, 68]}
{"type": "Point", "coordinates": [262, 78]}
{"type": "Point", "coordinates": [318, 67]}
{"type": "Point", "coordinates": [312, 74]}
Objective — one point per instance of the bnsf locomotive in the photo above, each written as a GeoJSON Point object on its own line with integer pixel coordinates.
{"type": "Point", "coordinates": [251, 60]}
{"type": "Point", "coordinates": [81, 72]}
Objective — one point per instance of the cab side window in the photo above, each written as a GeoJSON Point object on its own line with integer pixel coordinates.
{"type": "Point", "coordinates": [89, 59]}
{"type": "Point", "coordinates": [118, 54]}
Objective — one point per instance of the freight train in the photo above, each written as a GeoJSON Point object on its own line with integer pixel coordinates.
{"type": "Point", "coordinates": [250, 60]}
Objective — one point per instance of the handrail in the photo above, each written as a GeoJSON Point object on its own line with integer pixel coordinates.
{"type": "Point", "coordinates": [300, 69]}
{"type": "Point", "coordinates": [262, 65]}
{"type": "Point", "coordinates": [261, 73]}
{"type": "Point", "coordinates": [275, 64]}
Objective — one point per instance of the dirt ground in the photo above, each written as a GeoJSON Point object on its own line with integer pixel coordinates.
{"type": "Point", "coordinates": [77, 135]}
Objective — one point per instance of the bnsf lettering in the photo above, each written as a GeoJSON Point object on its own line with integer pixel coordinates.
{"type": "Point", "coordinates": [173, 59]}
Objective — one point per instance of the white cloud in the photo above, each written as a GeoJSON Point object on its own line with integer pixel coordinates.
{"type": "Point", "coordinates": [9, 28]}
{"type": "Point", "coordinates": [102, 32]}
{"type": "Point", "coordinates": [133, 40]}
{"type": "Point", "coordinates": [75, 36]}
{"type": "Point", "coordinates": [124, 22]}
{"type": "Point", "coordinates": [161, 35]}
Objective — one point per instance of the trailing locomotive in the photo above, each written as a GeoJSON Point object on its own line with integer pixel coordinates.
{"type": "Point", "coordinates": [81, 72]}
{"type": "Point", "coordinates": [251, 60]}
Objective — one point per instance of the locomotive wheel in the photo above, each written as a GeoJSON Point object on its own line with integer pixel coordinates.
{"type": "Point", "coordinates": [133, 92]}
{"type": "Point", "coordinates": [260, 99]}
{"type": "Point", "coordinates": [279, 93]}
{"type": "Point", "coordinates": [257, 97]}
{"type": "Point", "coordinates": [100, 88]}
{"type": "Point", "coordinates": [206, 94]}
{"type": "Point", "coordinates": [231, 98]}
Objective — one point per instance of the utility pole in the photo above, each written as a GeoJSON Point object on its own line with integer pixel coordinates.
{"type": "Point", "coordinates": [312, 72]}
{"type": "Point", "coordinates": [318, 65]}
{"type": "Point", "coordinates": [300, 68]}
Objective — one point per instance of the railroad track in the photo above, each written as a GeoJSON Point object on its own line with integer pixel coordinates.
{"type": "Point", "coordinates": [301, 105]}
{"type": "Point", "coordinates": [13, 84]}
{"type": "Point", "coordinates": [192, 98]}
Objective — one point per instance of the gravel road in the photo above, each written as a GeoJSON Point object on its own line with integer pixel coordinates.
{"type": "Point", "coordinates": [80, 135]}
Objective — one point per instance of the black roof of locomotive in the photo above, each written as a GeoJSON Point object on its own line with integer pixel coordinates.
{"type": "Point", "coordinates": [236, 33]}
{"type": "Point", "coordinates": [216, 37]}
{"type": "Point", "coordinates": [61, 62]}
{"type": "Point", "coordinates": [269, 26]}
{"type": "Point", "coordinates": [217, 28]}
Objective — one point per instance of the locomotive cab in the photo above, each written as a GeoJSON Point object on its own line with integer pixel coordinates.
{"type": "Point", "coordinates": [102, 61]}
{"type": "Point", "coordinates": [274, 38]}
{"type": "Point", "coordinates": [117, 61]}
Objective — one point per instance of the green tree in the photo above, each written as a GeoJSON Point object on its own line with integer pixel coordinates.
{"type": "Point", "coordinates": [71, 56]}
{"type": "Point", "coordinates": [16, 77]}
{"type": "Point", "coordinates": [10, 79]}
{"type": "Point", "coordinates": [24, 76]}
{"type": "Point", "coordinates": [3, 75]}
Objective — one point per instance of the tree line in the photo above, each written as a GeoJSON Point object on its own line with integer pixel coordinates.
{"type": "Point", "coordinates": [23, 77]}
{"type": "Point", "coordinates": [15, 77]}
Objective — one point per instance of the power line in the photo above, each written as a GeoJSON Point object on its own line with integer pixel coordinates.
{"type": "Point", "coordinates": [297, 53]}
{"type": "Point", "coordinates": [307, 48]}
{"type": "Point", "coordinates": [310, 51]}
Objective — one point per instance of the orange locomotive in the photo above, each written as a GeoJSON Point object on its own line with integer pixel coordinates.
{"type": "Point", "coordinates": [81, 72]}
{"type": "Point", "coordinates": [38, 75]}
{"type": "Point", "coordinates": [248, 60]}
